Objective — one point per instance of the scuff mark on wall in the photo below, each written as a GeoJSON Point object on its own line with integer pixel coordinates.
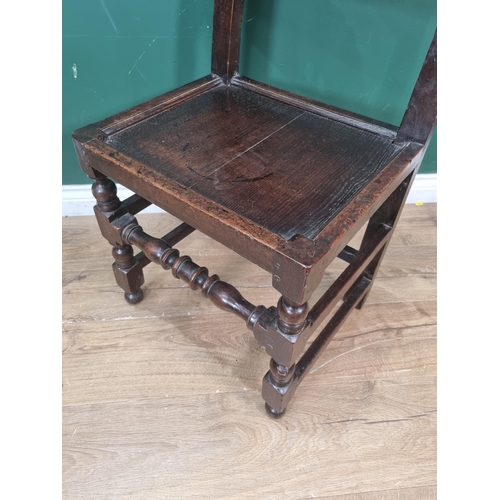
{"type": "Point", "coordinates": [140, 57]}
{"type": "Point", "coordinates": [103, 5]}
{"type": "Point", "coordinates": [184, 10]}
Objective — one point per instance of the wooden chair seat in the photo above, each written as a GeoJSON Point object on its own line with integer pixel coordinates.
{"type": "Point", "coordinates": [275, 164]}
{"type": "Point", "coordinates": [284, 181]}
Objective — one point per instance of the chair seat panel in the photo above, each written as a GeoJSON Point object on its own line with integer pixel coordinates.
{"type": "Point", "coordinates": [299, 178]}
{"type": "Point", "coordinates": [288, 170]}
{"type": "Point", "coordinates": [192, 140]}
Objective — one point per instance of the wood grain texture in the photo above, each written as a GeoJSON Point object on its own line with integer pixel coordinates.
{"type": "Point", "coordinates": [150, 108]}
{"type": "Point", "coordinates": [317, 107]}
{"type": "Point", "coordinates": [240, 149]}
{"type": "Point", "coordinates": [161, 401]}
{"type": "Point", "coordinates": [162, 176]}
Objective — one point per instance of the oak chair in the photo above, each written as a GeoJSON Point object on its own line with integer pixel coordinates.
{"type": "Point", "coordinates": [284, 181]}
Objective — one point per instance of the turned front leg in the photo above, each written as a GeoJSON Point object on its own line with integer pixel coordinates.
{"type": "Point", "coordinates": [128, 272]}
{"type": "Point", "coordinates": [291, 320]}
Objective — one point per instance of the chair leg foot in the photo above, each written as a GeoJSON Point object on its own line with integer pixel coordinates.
{"type": "Point", "coordinates": [128, 273]}
{"type": "Point", "coordinates": [134, 298]}
{"type": "Point", "coordinates": [363, 300]}
{"type": "Point", "coordinates": [273, 413]}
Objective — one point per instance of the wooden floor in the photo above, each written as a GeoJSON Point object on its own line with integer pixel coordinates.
{"type": "Point", "coordinates": [161, 402]}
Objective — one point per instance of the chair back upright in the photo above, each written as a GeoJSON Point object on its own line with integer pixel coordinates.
{"type": "Point", "coordinates": [420, 116]}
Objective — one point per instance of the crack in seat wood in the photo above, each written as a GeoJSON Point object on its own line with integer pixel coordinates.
{"type": "Point", "coordinates": [283, 180]}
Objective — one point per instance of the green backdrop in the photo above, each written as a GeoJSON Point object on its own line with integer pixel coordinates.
{"type": "Point", "coordinates": [361, 55]}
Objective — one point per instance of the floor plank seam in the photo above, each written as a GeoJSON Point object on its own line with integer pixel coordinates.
{"type": "Point", "coordinates": [380, 330]}
{"type": "Point", "coordinates": [365, 346]}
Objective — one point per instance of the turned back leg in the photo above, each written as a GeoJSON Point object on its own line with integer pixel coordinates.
{"type": "Point", "coordinates": [388, 214]}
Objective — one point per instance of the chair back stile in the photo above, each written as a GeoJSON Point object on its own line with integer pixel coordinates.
{"type": "Point", "coordinates": [226, 37]}
{"type": "Point", "coordinates": [420, 115]}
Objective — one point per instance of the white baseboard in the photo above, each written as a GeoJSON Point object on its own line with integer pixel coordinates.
{"type": "Point", "coordinates": [77, 199]}
{"type": "Point", "coordinates": [424, 189]}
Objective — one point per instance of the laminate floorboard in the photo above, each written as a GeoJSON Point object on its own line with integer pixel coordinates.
{"type": "Point", "coordinates": [161, 400]}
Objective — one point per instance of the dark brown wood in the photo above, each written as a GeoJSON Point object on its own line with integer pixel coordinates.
{"type": "Point", "coordinates": [420, 116]}
{"type": "Point", "coordinates": [280, 377]}
{"type": "Point", "coordinates": [135, 204]}
{"type": "Point", "coordinates": [347, 279]}
{"type": "Point", "coordinates": [291, 319]}
{"type": "Point", "coordinates": [277, 396]}
{"type": "Point", "coordinates": [284, 344]}
{"type": "Point", "coordinates": [192, 141]}
{"type": "Point", "coordinates": [327, 110]}
{"type": "Point", "coordinates": [240, 150]}
{"type": "Point", "coordinates": [283, 180]}
{"type": "Point", "coordinates": [222, 294]}
{"type": "Point", "coordinates": [172, 238]}
{"type": "Point", "coordinates": [242, 235]}
{"type": "Point", "coordinates": [302, 260]}
{"type": "Point", "coordinates": [226, 37]}
{"type": "Point", "coordinates": [298, 281]}
{"type": "Point", "coordinates": [348, 254]}
{"type": "Point", "coordinates": [387, 215]}
{"type": "Point", "coordinates": [104, 191]}
{"type": "Point", "coordinates": [128, 272]}
{"type": "Point", "coordinates": [148, 109]}
{"type": "Point", "coordinates": [296, 178]}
